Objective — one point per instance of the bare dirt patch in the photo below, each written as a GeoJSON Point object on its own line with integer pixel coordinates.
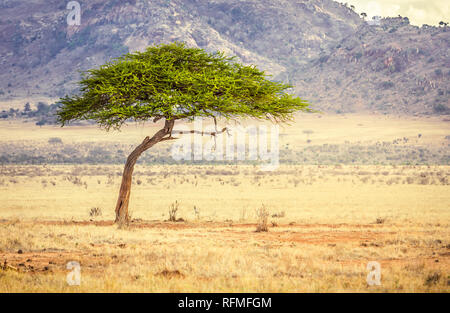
{"type": "Point", "coordinates": [50, 260]}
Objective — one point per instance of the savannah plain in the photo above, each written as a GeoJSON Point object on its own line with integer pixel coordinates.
{"type": "Point", "coordinates": [350, 189]}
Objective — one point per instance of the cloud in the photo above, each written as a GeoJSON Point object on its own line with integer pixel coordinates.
{"type": "Point", "coordinates": [418, 11]}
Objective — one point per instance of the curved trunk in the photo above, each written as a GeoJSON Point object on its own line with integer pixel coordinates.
{"type": "Point", "coordinates": [122, 216]}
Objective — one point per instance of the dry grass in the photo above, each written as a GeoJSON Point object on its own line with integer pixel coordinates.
{"type": "Point", "coordinates": [326, 222]}
{"type": "Point", "coordinates": [219, 257]}
{"type": "Point", "coordinates": [262, 214]}
{"type": "Point", "coordinates": [331, 226]}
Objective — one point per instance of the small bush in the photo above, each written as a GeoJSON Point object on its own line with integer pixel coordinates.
{"type": "Point", "coordinates": [440, 108]}
{"type": "Point", "coordinates": [94, 212]}
{"type": "Point", "coordinates": [173, 211]}
{"type": "Point", "coordinates": [432, 279]}
{"type": "Point", "coordinates": [387, 85]}
{"type": "Point", "coordinates": [262, 214]}
{"type": "Point", "coordinates": [197, 212]}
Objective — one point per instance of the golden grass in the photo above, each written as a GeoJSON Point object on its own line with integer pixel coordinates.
{"type": "Point", "coordinates": [325, 222]}
{"type": "Point", "coordinates": [333, 225]}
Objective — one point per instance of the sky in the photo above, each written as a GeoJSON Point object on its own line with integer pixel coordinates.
{"type": "Point", "coordinates": [419, 12]}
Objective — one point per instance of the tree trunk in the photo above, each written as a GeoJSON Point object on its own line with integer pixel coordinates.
{"type": "Point", "coordinates": [122, 217]}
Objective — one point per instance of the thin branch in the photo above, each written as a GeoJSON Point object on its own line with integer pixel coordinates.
{"type": "Point", "coordinates": [215, 128]}
{"type": "Point", "coordinates": [199, 132]}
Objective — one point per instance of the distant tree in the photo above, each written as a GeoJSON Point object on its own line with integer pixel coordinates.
{"type": "Point", "coordinates": [42, 108]}
{"type": "Point", "coordinates": [173, 82]}
{"type": "Point", "coordinates": [27, 107]}
{"type": "Point", "coordinates": [364, 15]}
{"type": "Point", "coordinates": [440, 108]}
{"type": "Point", "coordinates": [442, 23]}
{"type": "Point", "coordinates": [40, 123]}
{"type": "Point", "coordinates": [352, 7]}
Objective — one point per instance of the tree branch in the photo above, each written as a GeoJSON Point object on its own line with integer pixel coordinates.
{"type": "Point", "coordinates": [199, 132]}
{"type": "Point", "coordinates": [168, 138]}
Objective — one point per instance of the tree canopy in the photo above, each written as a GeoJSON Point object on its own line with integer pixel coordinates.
{"type": "Point", "coordinates": [173, 81]}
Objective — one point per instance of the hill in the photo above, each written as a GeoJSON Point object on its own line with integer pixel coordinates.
{"type": "Point", "coordinates": [334, 58]}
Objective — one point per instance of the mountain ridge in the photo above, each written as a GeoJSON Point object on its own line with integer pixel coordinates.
{"type": "Point", "coordinates": [311, 44]}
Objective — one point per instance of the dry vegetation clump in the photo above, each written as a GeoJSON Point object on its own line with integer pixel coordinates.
{"type": "Point", "coordinates": [95, 212]}
{"type": "Point", "coordinates": [197, 212]}
{"type": "Point", "coordinates": [432, 279]}
{"type": "Point", "coordinates": [169, 274]}
{"type": "Point", "coordinates": [262, 215]}
{"type": "Point", "coordinates": [173, 209]}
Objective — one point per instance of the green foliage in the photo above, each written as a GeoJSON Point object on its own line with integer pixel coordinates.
{"type": "Point", "coordinates": [174, 82]}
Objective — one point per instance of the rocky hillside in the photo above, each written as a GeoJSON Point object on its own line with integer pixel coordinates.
{"type": "Point", "coordinates": [335, 60]}
{"type": "Point", "coordinates": [391, 67]}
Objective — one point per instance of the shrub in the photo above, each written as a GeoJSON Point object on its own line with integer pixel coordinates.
{"type": "Point", "coordinates": [262, 214]}
{"type": "Point", "coordinates": [387, 84]}
{"type": "Point", "coordinates": [432, 279]}
{"type": "Point", "coordinates": [94, 212]}
{"type": "Point", "coordinates": [173, 211]}
{"type": "Point", "coordinates": [440, 108]}
{"type": "Point", "coordinates": [197, 212]}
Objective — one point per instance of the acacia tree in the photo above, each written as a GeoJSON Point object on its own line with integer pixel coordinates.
{"type": "Point", "coordinates": [173, 82]}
